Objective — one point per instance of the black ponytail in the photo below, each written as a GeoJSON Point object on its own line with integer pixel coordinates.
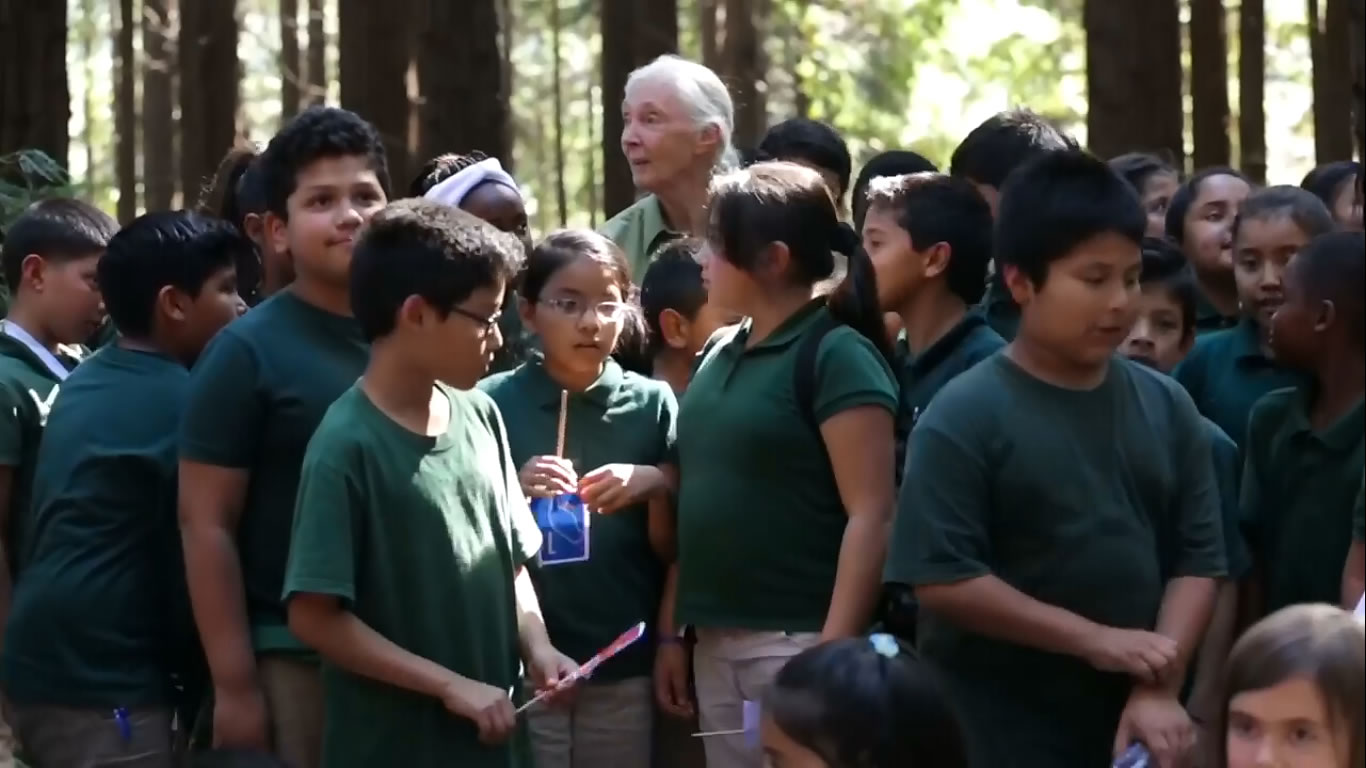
{"type": "Point", "coordinates": [854, 303]}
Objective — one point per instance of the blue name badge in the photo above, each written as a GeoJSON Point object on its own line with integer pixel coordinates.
{"type": "Point", "coordinates": [564, 524]}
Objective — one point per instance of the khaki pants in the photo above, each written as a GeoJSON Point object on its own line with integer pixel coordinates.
{"type": "Point", "coordinates": [61, 737]}
{"type": "Point", "coordinates": [294, 700]}
{"type": "Point", "coordinates": [608, 724]}
{"type": "Point", "coordinates": [675, 745]}
{"type": "Point", "coordinates": [732, 667]}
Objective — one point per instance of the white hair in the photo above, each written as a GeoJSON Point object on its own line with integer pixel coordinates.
{"type": "Point", "coordinates": [703, 94]}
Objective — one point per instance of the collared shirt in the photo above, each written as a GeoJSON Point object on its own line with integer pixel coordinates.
{"type": "Point", "coordinates": [48, 359]}
{"type": "Point", "coordinates": [640, 231]}
{"type": "Point", "coordinates": [1209, 319]}
{"type": "Point", "coordinates": [999, 308]}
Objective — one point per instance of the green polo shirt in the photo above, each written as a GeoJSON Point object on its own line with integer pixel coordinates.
{"type": "Point", "coordinates": [256, 394]}
{"type": "Point", "coordinates": [922, 375]}
{"type": "Point", "coordinates": [28, 389]}
{"type": "Point", "coordinates": [760, 519]}
{"type": "Point", "coordinates": [1209, 319]}
{"type": "Point", "coordinates": [999, 308]}
{"type": "Point", "coordinates": [1359, 513]}
{"type": "Point", "coordinates": [1087, 500]}
{"type": "Point", "coordinates": [639, 231]}
{"type": "Point", "coordinates": [622, 418]}
{"type": "Point", "coordinates": [419, 537]}
{"type": "Point", "coordinates": [100, 618]}
{"type": "Point", "coordinates": [1228, 469]}
{"type": "Point", "coordinates": [1299, 488]}
{"type": "Point", "coordinates": [1226, 373]}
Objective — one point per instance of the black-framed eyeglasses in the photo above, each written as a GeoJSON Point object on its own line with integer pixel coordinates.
{"type": "Point", "coordinates": [486, 324]}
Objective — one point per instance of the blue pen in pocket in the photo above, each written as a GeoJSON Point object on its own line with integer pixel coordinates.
{"type": "Point", "coordinates": [125, 725]}
{"type": "Point", "coordinates": [1136, 756]}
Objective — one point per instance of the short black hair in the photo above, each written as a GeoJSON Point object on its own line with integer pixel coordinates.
{"type": "Point", "coordinates": [223, 196]}
{"type": "Point", "coordinates": [59, 229]}
{"type": "Point", "coordinates": [1138, 167]}
{"type": "Point", "coordinates": [1185, 198]}
{"type": "Point", "coordinates": [1326, 180]}
{"type": "Point", "coordinates": [181, 249]}
{"type": "Point", "coordinates": [440, 168]}
{"type": "Point", "coordinates": [1164, 264]}
{"type": "Point", "coordinates": [812, 142]}
{"type": "Point", "coordinates": [1332, 268]}
{"type": "Point", "coordinates": [1300, 206]}
{"type": "Point", "coordinates": [421, 248]}
{"type": "Point", "coordinates": [1058, 201]}
{"type": "Point", "coordinates": [672, 281]}
{"type": "Point", "coordinates": [937, 208]}
{"type": "Point", "coordinates": [314, 134]}
{"type": "Point", "coordinates": [1004, 142]}
{"type": "Point", "coordinates": [893, 162]}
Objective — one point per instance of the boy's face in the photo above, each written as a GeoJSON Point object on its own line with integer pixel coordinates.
{"type": "Point", "coordinates": [1159, 338]}
{"type": "Point", "coordinates": [1296, 323]}
{"type": "Point", "coordinates": [1158, 190]}
{"type": "Point", "coordinates": [333, 200]}
{"type": "Point", "coordinates": [1263, 248]}
{"type": "Point", "coordinates": [67, 295]}
{"type": "Point", "coordinates": [900, 268]}
{"type": "Point", "coordinates": [458, 348]}
{"type": "Point", "coordinates": [1208, 240]}
{"type": "Point", "coordinates": [196, 319]}
{"type": "Point", "coordinates": [1085, 307]}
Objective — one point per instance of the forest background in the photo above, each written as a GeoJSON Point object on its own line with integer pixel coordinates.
{"type": "Point", "coordinates": [139, 99]}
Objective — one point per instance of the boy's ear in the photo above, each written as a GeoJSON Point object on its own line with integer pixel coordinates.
{"type": "Point", "coordinates": [276, 232]}
{"type": "Point", "coordinates": [172, 303]}
{"type": "Point", "coordinates": [527, 311]}
{"type": "Point", "coordinates": [1021, 288]}
{"type": "Point", "coordinates": [32, 269]}
{"type": "Point", "coordinates": [255, 226]}
{"type": "Point", "coordinates": [674, 327]}
{"type": "Point", "coordinates": [413, 311]}
{"type": "Point", "coordinates": [1327, 315]}
{"type": "Point", "coordinates": [937, 260]}
{"type": "Point", "coordinates": [776, 259]}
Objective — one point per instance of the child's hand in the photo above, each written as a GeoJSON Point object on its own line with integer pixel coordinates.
{"type": "Point", "coordinates": [549, 668]}
{"type": "Point", "coordinates": [1146, 656]}
{"type": "Point", "coordinates": [671, 680]}
{"type": "Point", "coordinates": [547, 476]}
{"type": "Point", "coordinates": [613, 486]}
{"type": "Point", "coordinates": [1155, 718]}
{"type": "Point", "coordinates": [488, 707]}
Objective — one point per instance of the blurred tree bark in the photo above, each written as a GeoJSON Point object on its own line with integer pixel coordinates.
{"type": "Point", "coordinates": [209, 80]}
{"type": "Point", "coordinates": [746, 69]}
{"type": "Point", "coordinates": [34, 95]}
{"type": "Point", "coordinates": [1252, 89]}
{"type": "Point", "coordinates": [158, 127]}
{"type": "Point", "coordinates": [1330, 48]}
{"type": "Point", "coordinates": [634, 33]}
{"type": "Point", "coordinates": [126, 115]}
{"type": "Point", "coordinates": [291, 69]}
{"type": "Point", "coordinates": [317, 54]}
{"type": "Point", "coordinates": [376, 40]}
{"type": "Point", "coordinates": [1209, 83]}
{"type": "Point", "coordinates": [460, 72]}
{"type": "Point", "coordinates": [1133, 77]}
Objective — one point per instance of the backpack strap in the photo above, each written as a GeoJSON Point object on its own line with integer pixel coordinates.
{"type": "Point", "coordinates": [804, 371]}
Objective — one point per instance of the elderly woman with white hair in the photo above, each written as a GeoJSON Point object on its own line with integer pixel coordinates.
{"type": "Point", "coordinates": [677, 120]}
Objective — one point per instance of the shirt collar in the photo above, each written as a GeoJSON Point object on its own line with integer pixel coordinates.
{"type": "Point", "coordinates": [788, 331]}
{"type": "Point", "coordinates": [653, 226]}
{"type": "Point", "coordinates": [544, 390]}
{"type": "Point", "coordinates": [1246, 338]}
{"type": "Point", "coordinates": [1339, 436]}
{"type": "Point", "coordinates": [944, 346]}
{"type": "Point", "coordinates": [50, 361]}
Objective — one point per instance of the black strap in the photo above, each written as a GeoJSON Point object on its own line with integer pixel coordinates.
{"type": "Point", "coordinates": [804, 372]}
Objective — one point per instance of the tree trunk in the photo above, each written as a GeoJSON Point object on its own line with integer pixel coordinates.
{"type": "Point", "coordinates": [86, 30]}
{"type": "Point", "coordinates": [745, 69]}
{"type": "Point", "coordinates": [706, 29]}
{"type": "Point", "coordinates": [1252, 89]}
{"type": "Point", "coordinates": [209, 79]}
{"type": "Point", "coordinates": [126, 116]}
{"type": "Point", "coordinates": [317, 54]}
{"type": "Point", "coordinates": [1209, 83]}
{"type": "Point", "coordinates": [158, 132]}
{"type": "Point", "coordinates": [1357, 14]}
{"type": "Point", "coordinates": [1330, 50]}
{"type": "Point", "coordinates": [376, 38]}
{"type": "Point", "coordinates": [590, 157]}
{"type": "Point", "coordinates": [656, 33]}
{"type": "Point", "coordinates": [557, 98]}
{"type": "Point", "coordinates": [633, 34]}
{"type": "Point", "coordinates": [1133, 77]}
{"type": "Point", "coordinates": [291, 73]}
{"type": "Point", "coordinates": [458, 59]}
{"type": "Point", "coordinates": [34, 95]}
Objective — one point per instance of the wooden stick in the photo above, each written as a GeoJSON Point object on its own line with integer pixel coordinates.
{"type": "Point", "coordinates": [705, 734]}
{"type": "Point", "coordinates": [564, 417]}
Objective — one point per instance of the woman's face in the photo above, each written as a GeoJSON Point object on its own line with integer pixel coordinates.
{"type": "Point", "coordinates": [1208, 238]}
{"type": "Point", "coordinates": [1285, 726]}
{"type": "Point", "coordinates": [659, 138]}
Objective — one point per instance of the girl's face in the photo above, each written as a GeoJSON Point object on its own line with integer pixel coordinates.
{"type": "Point", "coordinates": [1157, 195]}
{"type": "Point", "coordinates": [1347, 205]}
{"type": "Point", "coordinates": [1264, 246]}
{"type": "Point", "coordinates": [1285, 726]}
{"type": "Point", "coordinates": [781, 751]}
{"type": "Point", "coordinates": [730, 288]}
{"type": "Point", "coordinates": [1208, 238]}
{"type": "Point", "coordinates": [579, 315]}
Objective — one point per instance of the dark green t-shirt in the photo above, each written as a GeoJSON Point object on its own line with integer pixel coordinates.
{"type": "Point", "coordinates": [1086, 500]}
{"type": "Point", "coordinates": [256, 395]}
{"type": "Point", "coordinates": [420, 538]}
{"type": "Point", "coordinates": [760, 519]}
{"type": "Point", "coordinates": [1227, 472]}
{"type": "Point", "coordinates": [1226, 373]}
{"type": "Point", "coordinates": [1359, 513]}
{"type": "Point", "coordinates": [622, 418]}
{"type": "Point", "coordinates": [1208, 319]}
{"type": "Point", "coordinates": [27, 390]}
{"type": "Point", "coordinates": [922, 375]}
{"type": "Point", "coordinates": [1299, 487]}
{"type": "Point", "coordinates": [99, 618]}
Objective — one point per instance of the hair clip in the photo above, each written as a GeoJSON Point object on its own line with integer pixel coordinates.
{"type": "Point", "coordinates": [885, 645]}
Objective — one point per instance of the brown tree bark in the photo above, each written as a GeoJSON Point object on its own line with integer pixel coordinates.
{"type": "Point", "coordinates": [1357, 26]}
{"type": "Point", "coordinates": [209, 79]}
{"type": "Point", "coordinates": [1209, 83]}
{"type": "Point", "coordinates": [634, 33]}
{"type": "Point", "coordinates": [460, 69]}
{"type": "Point", "coordinates": [1330, 51]}
{"type": "Point", "coordinates": [746, 69]}
{"type": "Point", "coordinates": [291, 69]}
{"type": "Point", "coordinates": [34, 95]}
{"type": "Point", "coordinates": [557, 100]}
{"type": "Point", "coordinates": [1252, 89]}
{"type": "Point", "coordinates": [376, 44]}
{"type": "Point", "coordinates": [1133, 77]}
{"type": "Point", "coordinates": [158, 133]}
{"type": "Point", "coordinates": [316, 70]}
{"type": "Point", "coordinates": [707, 30]}
{"type": "Point", "coordinates": [126, 115]}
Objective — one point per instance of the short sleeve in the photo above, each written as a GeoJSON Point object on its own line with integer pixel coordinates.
{"type": "Point", "coordinates": [524, 535]}
{"type": "Point", "coordinates": [850, 373]}
{"type": "Point", "coordinates": [223, 412]}
{"type": "Point", "coordinates": [322, 548]}
{"type": "Point", "coordinates": [940, 534]}
{"type": "Point", "coordinates": [1199, 537]}
{"type": "Point", "coordinates": [1251, 491]}
{"type": "Point", "coordinates": [1227, 469]}
{"type": "Point", "coordinates": [13, 411]}
{"type": "Point", "coordinates": [668, 425]}
{"type": "Point", "coordinates": [1359, 513]}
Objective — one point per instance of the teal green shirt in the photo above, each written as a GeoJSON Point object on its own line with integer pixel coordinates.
{"type": "Point", "coordinates": [420, 538]}
{"type": "Point", "coordinates": [760, 518]}
{"type": "Point", "coordinates": [1209, 319]}
{"type": "Point", "coordinates": [999, 308]}
{"type": "Point", "coordinates": [622, 418]}
{"type": "Point", "coordinates": [639, 231]}
{"type": "Point", "coordinates": [1228, 470]}
{"type": "Point", "coordinates": [256, 395]}
{"type": "Point", "coordinates": [1226, 373]}
{"type": "Point", "coordinates": [100, 618]}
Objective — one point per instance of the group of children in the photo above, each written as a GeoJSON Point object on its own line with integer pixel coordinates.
{"type": "Point", "coordinates": [1060, 428]}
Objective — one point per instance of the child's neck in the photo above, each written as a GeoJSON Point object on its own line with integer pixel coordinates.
{"type": "Point", "coordinates": [928, 317]}
{"type": "Point", "coordinates": [21, 316]}
{"type": "Point", "coordinates": [1222, 294]}
{"type": "Point", "coordinates": [672, 367]}
{"type": "Point", "coordinates": [151, 346]}
{"type": "Point", "coordinates": [1052, 368]}
{"type": "Point", "coordinates": [574, 381]}
{"type": "Point", "coordinates": [1341, 380]}
{"type": "Point", "coordinates": [775, 310]}
{"type": "Point", "coordinates": [322, 295]}
{"type": "Point", "coordinates": [401, 391]}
